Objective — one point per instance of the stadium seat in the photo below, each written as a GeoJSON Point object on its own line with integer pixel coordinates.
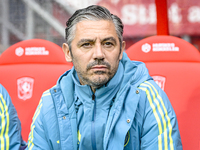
{"type": "Point", "coordinates": [27, 69]}
{"type": "Point", "coordinates": [175, 66]}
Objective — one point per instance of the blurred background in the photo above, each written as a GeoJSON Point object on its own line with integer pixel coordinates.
{"type": "Point", "coordinates": [45, 19]}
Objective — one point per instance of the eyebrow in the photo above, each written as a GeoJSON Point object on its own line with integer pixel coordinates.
{"type": "Point", "coordinates": [93, 40]}
{"type": "Point", "coordinates": [85, 41]}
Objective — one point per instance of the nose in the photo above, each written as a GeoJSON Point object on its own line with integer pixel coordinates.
{"type": "Point", "coordinates": [98, 52]}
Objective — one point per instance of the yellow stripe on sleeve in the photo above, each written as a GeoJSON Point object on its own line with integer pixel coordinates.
{"type": "Point", "coordinates": [31, 141]}
{"type": "Point", "coordinates": [160, 111]}
{"type": "Point", "coordinates": [37, 112]}
{"type": "Point", "coordinates": [46, 93]}
{"type": "Point", "coordinates": [4, 126]}
{"type": "Point", "coordinates": [156, 116]}
{"type": "Point", "coordinates": [168, 119]}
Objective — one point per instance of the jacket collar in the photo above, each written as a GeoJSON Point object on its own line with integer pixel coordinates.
{"type": "Point", "coordinates": [104, 95]}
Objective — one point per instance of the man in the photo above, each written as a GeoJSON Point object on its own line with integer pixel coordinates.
{"type": "Point", "coordinates": [106, 101]}
{"type": "Point", "coordinates": [10, 126]}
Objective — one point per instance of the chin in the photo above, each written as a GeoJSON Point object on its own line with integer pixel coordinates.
{"type": "Point", "coordinates": [100, 80]}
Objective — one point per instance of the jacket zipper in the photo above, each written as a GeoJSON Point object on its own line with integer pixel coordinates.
{"type": "Point", "coordinates": [93, 125]}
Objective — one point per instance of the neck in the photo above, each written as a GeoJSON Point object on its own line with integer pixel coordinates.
{"type": "Point", "coordinates": [93, 89]}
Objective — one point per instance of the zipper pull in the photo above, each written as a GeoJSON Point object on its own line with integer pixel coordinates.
{"type": "Point", "coordinates": [93, 97]}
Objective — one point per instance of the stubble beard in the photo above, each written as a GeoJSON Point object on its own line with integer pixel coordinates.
{"type": "Point", "coordinates": [98, 81]}
{"type": "Point", "coordinates": [98, 78]}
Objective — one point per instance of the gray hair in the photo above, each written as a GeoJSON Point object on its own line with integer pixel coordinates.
{"type": "Point", "coordinates": [95, 13]}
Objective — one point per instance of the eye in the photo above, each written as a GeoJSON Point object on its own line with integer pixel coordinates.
{"type": "Point", "coordinates": [86, 45]}
{"type": "Point", "coordinates": [108, 44]}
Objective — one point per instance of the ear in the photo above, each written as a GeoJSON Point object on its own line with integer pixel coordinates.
{"type": "Point", "coordinates": [67, 52]}
{"type": "Point", "coordinates": [123, 48]}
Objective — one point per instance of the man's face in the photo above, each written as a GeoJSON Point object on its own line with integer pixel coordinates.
{"type": "Point", "coordinates": [95, 52]}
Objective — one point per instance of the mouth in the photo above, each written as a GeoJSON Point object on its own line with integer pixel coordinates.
{"type": "Point", "coordinates": [98, 65]}
{"type": "Point", "coordinates": [99, 68]}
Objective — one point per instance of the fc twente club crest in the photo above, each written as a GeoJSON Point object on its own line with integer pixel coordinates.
{"type": "Point", "coordinates": [25, 88]}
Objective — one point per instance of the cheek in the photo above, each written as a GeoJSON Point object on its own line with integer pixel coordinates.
{"type": "Point", "coordinates": [79, 65]}
{"type": "Point", "coordinates": [76, 63]}
{"type": "Point", "coordinates": [115, 66]}
{"type": "Point", "coordinates": [114, 62]}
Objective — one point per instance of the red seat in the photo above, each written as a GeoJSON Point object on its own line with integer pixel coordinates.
{"type": "Point", "coordinates": [175, 66]}
{"type": "Point", "coordinates": [27, 69]}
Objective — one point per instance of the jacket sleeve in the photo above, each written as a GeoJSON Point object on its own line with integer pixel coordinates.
{"type": "Point", "coordinates": [160, 128]}
{"type": "Point", "coordinates": [37, 136]}
{"type": "Point", "coordinates": [10, 126]}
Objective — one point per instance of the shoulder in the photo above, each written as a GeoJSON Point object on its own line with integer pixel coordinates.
{"type": "Point", "coordinates": [45, 111]}
{"type": "Point", "coordinates": [150, 88]}
{"type": "Point", "coordinates": [3, 93]}
{"type": "Point", "coordinates": [46, 103]}
{"type": "Point", "coordinates": [153, 92]}
{"type": "Point", "coordinates": [156, 100]}
{"type": "Point", "coordinates": [51, 101]}
{"type": "Point", "coordinates": [5, 99]}
{"type": "Point", "coordinates": [150, 97]}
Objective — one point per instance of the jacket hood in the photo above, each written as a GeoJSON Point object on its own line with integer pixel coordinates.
{"type": "Point", "coordinates": [135, 72]}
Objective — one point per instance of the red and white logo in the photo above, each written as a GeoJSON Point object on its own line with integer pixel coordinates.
{"type": "Point", "coordinates": [31, 51]}
{"type": "Point", "coordinates": [19, 51]}
{"type": "Point", "coordinates": [36, 51]}
{"type": "Point", "coordinates": [146, 47]}
{"type": "Point", "coordinates": [160, 47]}
{"type": "Point", "coordinates": [160, 81]}
{"type": "Point", "coordinates": [25, 88]}
{"type": "Point", "coordinates": [165, 47]}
